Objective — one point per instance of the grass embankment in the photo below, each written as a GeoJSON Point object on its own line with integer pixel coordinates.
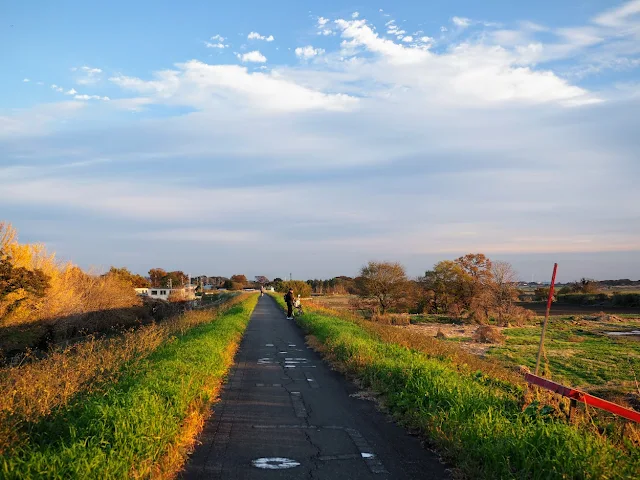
{"type": "Point", "coordinates": [141, 425]}
{"type": "Point", "coordinates": [476, 417]}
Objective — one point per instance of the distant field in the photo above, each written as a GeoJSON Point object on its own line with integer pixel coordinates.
{"type": "Point", "coordinates": [560, 309]}
{"type": "Point", "coordinates": [568, 309]}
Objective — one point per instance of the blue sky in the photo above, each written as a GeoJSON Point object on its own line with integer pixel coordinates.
{"type": "Point", "coordinates": [277, 137]}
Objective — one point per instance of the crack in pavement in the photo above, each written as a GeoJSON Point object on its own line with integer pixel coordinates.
{"type": "Point", "coordinates": [314, 459]}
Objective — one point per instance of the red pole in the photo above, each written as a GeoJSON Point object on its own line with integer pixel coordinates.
{"type": "Point", "coordinates": [546, 315]}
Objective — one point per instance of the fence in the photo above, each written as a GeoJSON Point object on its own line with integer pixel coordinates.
{"type": "Point", "coordinates": [579, 396]}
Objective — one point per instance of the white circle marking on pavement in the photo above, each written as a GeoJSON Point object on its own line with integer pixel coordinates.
{"type": "Point", "coordinates": [274, 463]}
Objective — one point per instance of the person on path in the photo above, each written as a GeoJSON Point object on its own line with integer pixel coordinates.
{"type": "Point", "coordinates": [262, 290]}
{"type": "Point", "coordinates": [289, 298]}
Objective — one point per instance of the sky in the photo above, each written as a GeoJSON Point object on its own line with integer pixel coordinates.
{"type": "Point", "coordinates": [307, 138]}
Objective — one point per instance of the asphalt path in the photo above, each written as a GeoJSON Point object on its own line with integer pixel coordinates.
{"type": "Point", "coordinates": [285, 414]}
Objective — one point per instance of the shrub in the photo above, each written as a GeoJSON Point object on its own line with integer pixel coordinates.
{"type": "Point", "coordinates": [299, 287]}
{"type": "Point", "coordinates": [626, 300]}
{"type": "Point", "coordinates": [488, 334]}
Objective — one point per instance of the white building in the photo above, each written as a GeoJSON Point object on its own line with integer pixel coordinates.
{"type": "Point", "coordinates": [143, 292]}
{"type": "Point", "coordinates": [163, 293]}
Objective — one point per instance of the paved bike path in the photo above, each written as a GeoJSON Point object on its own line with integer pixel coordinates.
{"type": "Point", "coordinates": [285, 414]}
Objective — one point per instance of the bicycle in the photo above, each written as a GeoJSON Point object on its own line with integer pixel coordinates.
{"type": "Point", "coordinates": [297, 308]}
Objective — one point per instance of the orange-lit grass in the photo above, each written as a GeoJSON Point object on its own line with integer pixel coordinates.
{"type": "Point", "coordinates": [33, 390]}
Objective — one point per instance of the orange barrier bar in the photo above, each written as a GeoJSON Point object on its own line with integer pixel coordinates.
{"type": "Point", "coordinates": [583, 397]}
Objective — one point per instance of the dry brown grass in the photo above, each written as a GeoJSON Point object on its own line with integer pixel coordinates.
{"type": "Point", "coordinates": [31, 391]}
{"type": "Point", "coordinates": [488, 334]}
{"type": "Point", "coordinates": [391, 319]}
{"type": "Point", "coordinates": [430, 346]}
{"type": "Point", "coordinates": [71, 292]}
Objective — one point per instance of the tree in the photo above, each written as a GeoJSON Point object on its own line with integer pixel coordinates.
{"type": "Point", "coordinates": [261, 279]}
{"type": "Point", "coordinates": [542, 293]}
{"type": "Point", "coordinates": [240, 279]}
{"type": "Point", "coordinates": [475, 285]}
{"type": "Point", "coordinates": [386, 282]}
{"type": "Point", "coordinates": [585, 285]}
{"type": "Point", "coordinates": [136, 281]}
{"type": "Point", "coordinates": [33, 283]}
{"type": "Point", "coordinates": [504, 291]}
{"type": "Point", "coordinates": [156, 275]}
{"type": "Point", "coordinates": [299, 287]}
{"type": "Point", "coordinates": [443, 285]}
{"type": "Point", "coordinates": [176, 279]}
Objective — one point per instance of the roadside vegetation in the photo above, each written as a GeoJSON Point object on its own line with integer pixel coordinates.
{"type": "Point", "coordinates": [479, 412]}
{"type": "Point", "coordinates": [126, 407]}
{"type": "Point", "coordinates": [45, 303]}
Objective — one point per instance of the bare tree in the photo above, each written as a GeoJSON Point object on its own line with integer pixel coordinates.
{"type": "Point", "coordinates": [504, 290]}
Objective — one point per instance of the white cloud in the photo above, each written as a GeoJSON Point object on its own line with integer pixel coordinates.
{"type": "Point", "coordinates": [204, 87]}
{"type": "Point", "coordinates": [215, 45]}
{"type": "Point", "coordinates": [90, 70]}
{"type": "Point", "coordinates": [582, 36]}
{"type": "Point", "coordinates": [254, 56]}
{"type": "Point", "coordinates": [444, 29]}
{"type": "Point", "coordinates": [56, 88]}
{"type": "Point", "coordinates": [71, 92]}
{"type": "Point", "coordinates": [323, 29]}
{"type": "Point", "coordinates": [361, 34]}
{"type": "Point", "coordinates": [90, 97]}
{"type": "Point", "coordinates": [86, 75]}
{"type": "Point", "coordinates": [135, 201]}
{"type": "Point", "coordinates": [218, 38]}
{"type": "Point", "coordinates": [202, 235]}
{"type": "Point", "coordinates": [355, 14]}
{"type": "Point", "coordinates": [37, 120]}
{"type": "Point", "coordinates": [26, 80]}
{"type": "Point", "coordinates": [461, 22]}
{"type": "Point", "coordinates": [308, 52]}
{"type": "Point", "coordinates": [620, 16]}
{"type": "Point", "coordinates": [257, 36]}
{"type": "Point", "coordinates": [407, 39]}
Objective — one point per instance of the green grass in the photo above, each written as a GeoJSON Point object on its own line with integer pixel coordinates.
{"type": "Point", "coordinates": [578, 353]}
{"type": "Point", "coordinates": [128, 429]}
{"type": "Point", "coordinates": [475, 420]}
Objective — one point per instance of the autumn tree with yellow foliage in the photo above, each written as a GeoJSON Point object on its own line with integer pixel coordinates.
{"type": "Point", "coordinates": [35, 287]}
